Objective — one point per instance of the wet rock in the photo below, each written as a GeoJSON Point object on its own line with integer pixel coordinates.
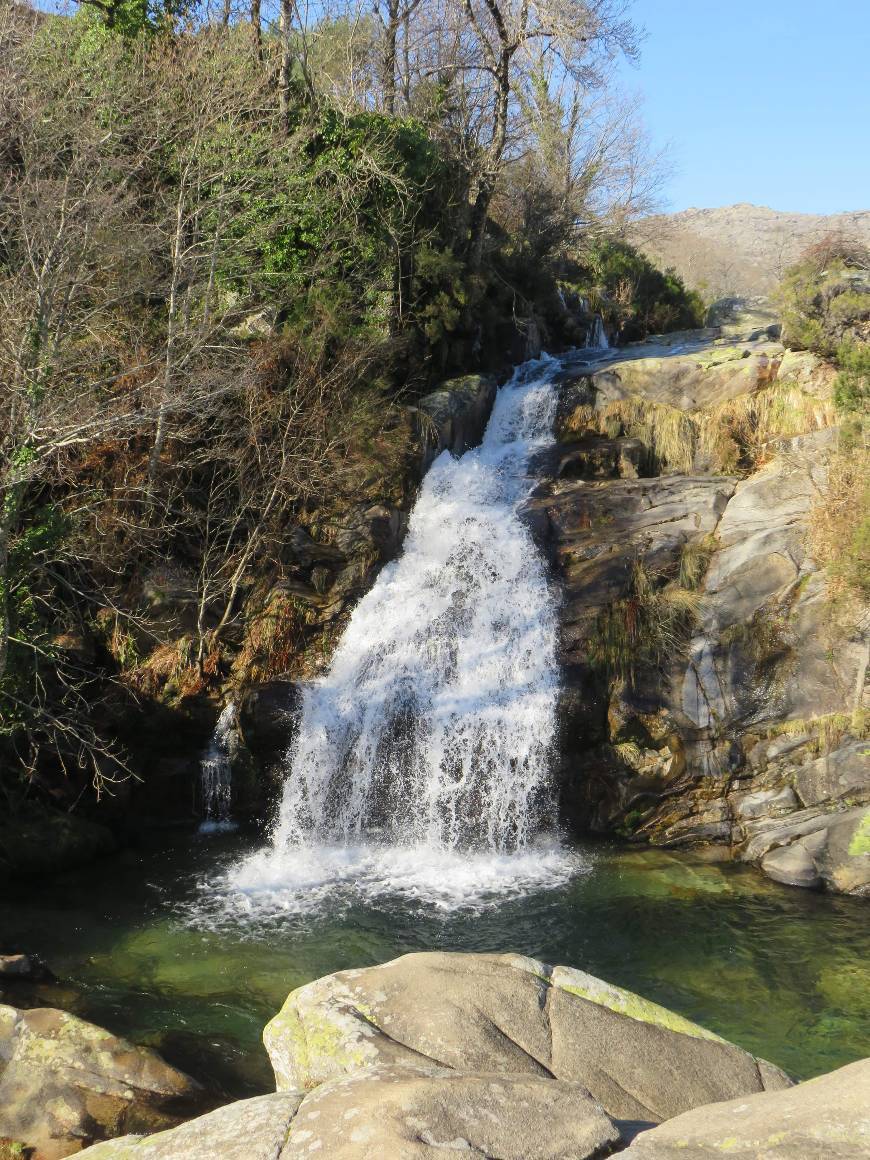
{"type": "Point", "coordinates": [510, 1015]}
{"type": "Point", "coordinates": [814, 845]}
{"type": "Point", "coordinates": [267, 718]}
{"type": "Point", "coordinates": [455, 416]}
{"type": "Point", "coordinates": [65, 1083]}
{"type": "Point", "coordinates": [793, 865]}
{"type": "Point", "coordinates": [23, 968]}
{"type": "Point", "coordinates": [826, 1117]}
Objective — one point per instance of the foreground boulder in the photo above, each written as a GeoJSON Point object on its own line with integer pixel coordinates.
{"type": "Point", "coordinates": [387, 1112]}
{"type": "Point", "coordinates": [509, 1014]}
{"type": "Point", "coordinates": [826, 1117]}
{"type": "Point", "coordinates": [255, 1129]}
{"type": "Point", "coordinates": [65, 1083]}
{"type": "Point", "coordinates": [502, 1057]}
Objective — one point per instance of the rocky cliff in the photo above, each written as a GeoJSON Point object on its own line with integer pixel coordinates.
{"type": "Point", "coordinates": [715, 679]}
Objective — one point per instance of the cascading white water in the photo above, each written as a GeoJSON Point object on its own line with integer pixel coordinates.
{"type": "Point", "coordinates": [421, 760]}
{"type": "Point", "coordinates": [598, 336]}
{"type": "Point", "coordinates": [216, 774]}
{"type": "Point", "coordinates": [435, 722]}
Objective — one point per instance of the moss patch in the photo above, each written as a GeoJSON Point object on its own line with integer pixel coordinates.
{"type": "Point", "coordinates": [627, 1003]}
{"type": "Point", "coordinates": [860, 843]}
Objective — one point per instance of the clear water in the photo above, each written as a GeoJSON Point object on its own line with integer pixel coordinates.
{"type": "Point", "coordinates": [784, 972]}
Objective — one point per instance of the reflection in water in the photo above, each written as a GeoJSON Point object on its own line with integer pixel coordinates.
{"type": "Point", "coordinates": [783, 972]}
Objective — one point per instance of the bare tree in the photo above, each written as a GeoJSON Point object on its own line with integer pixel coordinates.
{"type": "Point", "coordinates": [504, 38]}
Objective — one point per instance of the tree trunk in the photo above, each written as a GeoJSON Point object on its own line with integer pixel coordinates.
{"type": "Point", "coordinates": [286, 22]}
{"type": "Point", "coordinates": [388, 62]}
{"type": "Point", "coordinates": [495, 154]}
{"type": "Point", "coordinates": [257, 26]}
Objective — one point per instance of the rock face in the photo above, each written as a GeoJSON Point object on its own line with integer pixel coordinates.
{"type": "Point", "coordinates": [828, 1116]}
{"type": "Point", "coordinates": [714, 691]}
{"type": "Point", "coordinates": [511, 1015]}
{"type": "Point", "coordinates": [65, 1083]}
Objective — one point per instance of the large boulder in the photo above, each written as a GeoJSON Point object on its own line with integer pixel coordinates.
{"type": "Point", "coordinates": [387, 1113]}
{"type": "Point", "coordinates": [255, 1129]}
{"type": "Point", "coordinates": [511, 1015]}
{"type": "Point", "coordinates": [828, 1118]}
{"type": "Point", "coordinates": [454, 417]}
{"type": "Point", "coordinates": [65, 1083]}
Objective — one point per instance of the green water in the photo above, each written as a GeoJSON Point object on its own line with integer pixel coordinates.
{"type": "Point", "coordinates": [783, 972]}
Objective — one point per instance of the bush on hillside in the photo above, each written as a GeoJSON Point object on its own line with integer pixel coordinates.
{"type": "Point", "coordinates": [633, 296]}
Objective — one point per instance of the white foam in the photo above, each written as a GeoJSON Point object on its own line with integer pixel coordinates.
{"type": "Point", "coordinates": [311, 880]}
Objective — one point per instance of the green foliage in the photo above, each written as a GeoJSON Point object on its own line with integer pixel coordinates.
{"type": "Point", "coordinates": [852, 386]}
{"type": "Point", "coordinates": [131, 18]}
{"type": "Point", "coordinates": [645, 627]}
{"type": "Point", "coordinates": [442, 289]}
{"type": "Point", "coordinates": [633, 295]}
{"type": "Point", "coordinates": [825, 297]}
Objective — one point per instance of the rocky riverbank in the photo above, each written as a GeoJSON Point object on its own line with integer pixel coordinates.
{"type": "Point", "coordinates": [716, 679]}
{"type": "Point", "coordinates": [495, 1055]}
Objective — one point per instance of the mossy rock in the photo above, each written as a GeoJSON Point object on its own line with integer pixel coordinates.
{"type": "Point", "coordinates": [36, 841]}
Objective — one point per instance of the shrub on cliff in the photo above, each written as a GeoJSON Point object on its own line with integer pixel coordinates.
{"type": "Point", "coordinates": [825, 297]}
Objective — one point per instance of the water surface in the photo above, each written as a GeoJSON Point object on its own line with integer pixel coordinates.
{"type": "Point", "coordinates": [146, 952]}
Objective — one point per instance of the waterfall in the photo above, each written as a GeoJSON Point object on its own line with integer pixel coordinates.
{"type": "Point", "coordinates": [598, 335]}
{"type": "Point", "coordinates": [422, 757]}
{"type": "Point", "coordinates": [216, 774]}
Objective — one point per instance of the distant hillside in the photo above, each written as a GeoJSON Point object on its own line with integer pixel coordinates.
{"type": "Point", "coordinates": [738, 249]}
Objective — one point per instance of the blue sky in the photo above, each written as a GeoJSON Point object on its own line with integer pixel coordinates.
{"type": "Point", "coordinates": [765, 101]}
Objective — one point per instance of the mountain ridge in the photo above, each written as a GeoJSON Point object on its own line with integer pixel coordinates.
{"type": "Point", "coordinates": [739, 249]}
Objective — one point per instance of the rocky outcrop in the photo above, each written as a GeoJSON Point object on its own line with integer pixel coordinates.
{"type": "Point", "coordinates": [44, 841]}
{"type": "Point", "coordinates": [505, 1058]}
{"type": "Point", "coordinates": [392, 1113]}
{"type": "Point", "coordinates": [828, 1116]}
{"type": "Point", "coordinates": [65, 1083]}
{"type": "Point", "coordinates": [508, 1014]}
{"type": "Point", "coordinates": [454, 417]}
{"type": "Point", "coordinates": [714, 691]}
